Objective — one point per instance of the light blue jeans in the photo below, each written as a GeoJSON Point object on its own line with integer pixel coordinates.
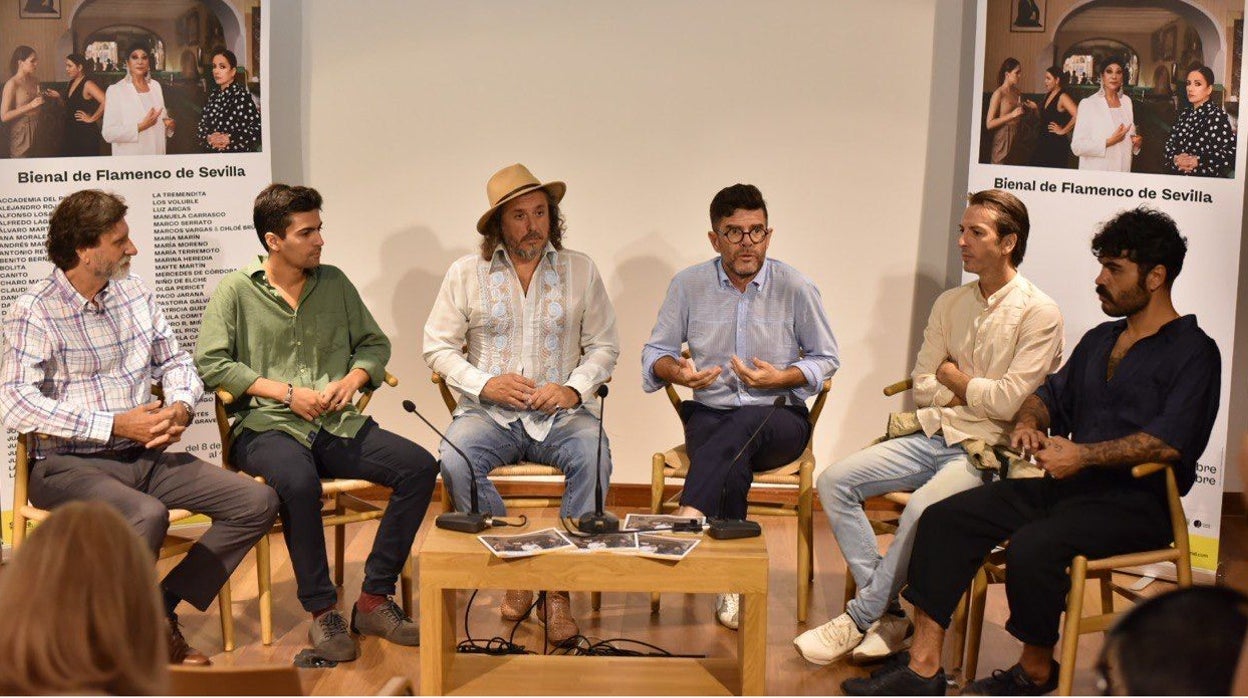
{"type": "Point", "coordinates": [571, 446]}
{"type": "Point", "coordinates": [925, 465]}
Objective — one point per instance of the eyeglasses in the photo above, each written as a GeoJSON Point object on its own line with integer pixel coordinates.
{"type": "Point", "coordinates": [735, 235]}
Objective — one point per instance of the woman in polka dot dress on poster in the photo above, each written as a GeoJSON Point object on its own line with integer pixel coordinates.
{"type": "Point", "coordinates": [1202, 143]}
{"type": "Point", "coordinates": [230, 122]}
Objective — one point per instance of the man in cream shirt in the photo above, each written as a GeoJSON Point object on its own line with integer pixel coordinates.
{"type": "Point", "coordinates": [525, 333]}
{"type": "Point", "coordinates": [987, 346]}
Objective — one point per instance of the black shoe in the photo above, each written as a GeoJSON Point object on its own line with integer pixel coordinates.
{"type": "Point", "coordinates": [896, 680]}
{"type": "Point", "coordinates": [1013, 682]}
{"type": "Point", "coordinates": [892, 663]}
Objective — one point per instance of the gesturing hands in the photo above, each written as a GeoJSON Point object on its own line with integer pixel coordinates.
{"type": "Point", "coordinates": [152, 425]}
{"type": "Point", "coordinates": [762, 375]}
{"type": "Point", "coordinates": [689, 376]}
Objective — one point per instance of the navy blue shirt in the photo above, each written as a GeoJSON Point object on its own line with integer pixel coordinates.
{"type": "Point", "coordinates": [1167, 386]}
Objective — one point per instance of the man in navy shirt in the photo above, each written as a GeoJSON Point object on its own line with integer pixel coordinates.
{"type": "Point", "coordinates": [1140, 389]}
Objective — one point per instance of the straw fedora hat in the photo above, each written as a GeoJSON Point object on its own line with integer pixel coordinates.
{"type": "Point", "coordinates": [511, 182]}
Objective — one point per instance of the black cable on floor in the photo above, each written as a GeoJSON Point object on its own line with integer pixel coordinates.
{"type": "Point", "coordinates": [495, 645]}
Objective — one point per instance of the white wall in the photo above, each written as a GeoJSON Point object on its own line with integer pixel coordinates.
{"type": "Point", "coordinates": [851, 117]}
{"type": "Point", "coordinates": [646, 109]}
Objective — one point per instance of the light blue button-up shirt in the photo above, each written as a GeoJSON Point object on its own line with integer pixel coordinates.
{"type": "Point", "coordinates": [779, 319]}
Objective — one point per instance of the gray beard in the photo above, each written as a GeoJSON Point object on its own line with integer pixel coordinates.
{"type": "Point", "coordinates": [523, 255]}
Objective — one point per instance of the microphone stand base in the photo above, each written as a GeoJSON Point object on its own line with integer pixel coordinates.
{"type": "Point", "coordinates": [605, 522]}
{"type": "Point", "coordinates": [728, 529]}
{"type": "Point", "coordinates": [464, 523]}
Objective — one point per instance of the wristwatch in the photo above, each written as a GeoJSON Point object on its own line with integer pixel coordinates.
{"type": "Point", "coordinates": [290, 394]}
{"type": "Point", "coordinates": [190, 411]}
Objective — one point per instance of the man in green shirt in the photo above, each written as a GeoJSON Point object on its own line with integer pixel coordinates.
{"type": "Point", "coordinates": [293, 339]}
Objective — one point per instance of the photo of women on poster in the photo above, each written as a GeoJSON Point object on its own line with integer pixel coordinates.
{"type": "Point", "coordinates": [1202, 142]}
{"type": "Point", "coordinates": [74, 64]}
{"type": "Point", "coordinates": [84, 108]}
{"type": "Point", "coordinates": [1114, 85]}
{"type": "Point", "coordinates": [230, 122]}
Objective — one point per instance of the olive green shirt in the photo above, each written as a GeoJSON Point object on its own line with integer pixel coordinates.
{"type": "Point", "coordinates": [249, 331]}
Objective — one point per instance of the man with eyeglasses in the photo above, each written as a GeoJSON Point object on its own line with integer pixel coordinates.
{"type": "Point", "coordinates": [756, 331]}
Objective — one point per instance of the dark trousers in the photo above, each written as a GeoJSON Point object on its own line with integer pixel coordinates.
{"type": "Point", "coordinates": [144, 485]}
{"type": "Point", "coordinates": [295, 471]}
{"type": "Point", "coordinates": [713, 438]}
{"type": "Point", "coordinates": [1047, 522]}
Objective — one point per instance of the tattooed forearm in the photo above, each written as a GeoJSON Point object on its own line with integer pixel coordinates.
{"type": "Point", "coordinates": [1032, 414]}
{"type": "Point", "coordinates": [1129, 451]}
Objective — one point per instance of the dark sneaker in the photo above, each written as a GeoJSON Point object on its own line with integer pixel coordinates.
{"type": "Point", "coordinates": [1013, 682]}
{"type": "Point", "coordinates": [895, 680]}
{"type": "Point", "coordinates": [182, 653]}
{"type": "Point", "coordinates": [331, 639]}
{"type": "Point", "coordinates": [386, 621]}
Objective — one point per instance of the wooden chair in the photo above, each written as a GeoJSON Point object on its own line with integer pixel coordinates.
{"type": "Point", "coordinates": [514, 474]}
{"type": "Point", "coordinates": [25, 514]}
{"type": "Point", "coordinates": [1081, 570]}
{"type": "Point", "coordinates": [673, 464]}
{"type": "Point", "coordinates": [341, 508]}
{"type": "Point", "coordinates": [267, 680]}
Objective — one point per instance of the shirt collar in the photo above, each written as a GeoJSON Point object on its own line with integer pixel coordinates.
{"type": "Point", "coordinates": [72, 297]}
{"type": "Point", "coordinates": [759, 280]}
{"type": "Point", "coordinates": [255, 271]}
{"type": "Point", "coordinates": [999, 293]}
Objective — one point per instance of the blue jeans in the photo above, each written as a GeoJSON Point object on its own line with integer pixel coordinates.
{"type": "Point", "coordinates": [925, 465]}
{"type": "Point", "coordinates": [571, 446]}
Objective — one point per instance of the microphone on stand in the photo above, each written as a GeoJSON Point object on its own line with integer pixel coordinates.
{"type": "Point", "coordinates": [723, 528]}
{"type": "Point", "coordinates": [466, 522]}
{"type": "Point", "coordinates": [600, 521]}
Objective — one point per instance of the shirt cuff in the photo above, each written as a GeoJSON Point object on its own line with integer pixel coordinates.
{"type": "Point", "coordinates": [649, 381]}
{"type": "Point", "coordinates": [582, 385]}
{"type": "Point", "coordinates": [473, 382]}
{"type": "Point", "coordinates": [975, 391]}
{"type": "Point", "coordinates": [100, 427]}
{"type": "Point", "coordinates": [238, 379]}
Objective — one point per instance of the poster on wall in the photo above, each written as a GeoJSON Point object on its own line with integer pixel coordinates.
{"type": "Point", "coordinates": [1103, 108]}
{"type": "Point", "coordinates": [162, 103]}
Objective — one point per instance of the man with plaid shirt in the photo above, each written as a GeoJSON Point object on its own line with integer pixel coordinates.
{"type": "Point", "coordinates": [81, 350]}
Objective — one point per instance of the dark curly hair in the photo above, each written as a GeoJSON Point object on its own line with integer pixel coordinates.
{"type": "Point", "coordinates": [729, 199]}
{"type": "Point", "coordinates": [1147, 237]}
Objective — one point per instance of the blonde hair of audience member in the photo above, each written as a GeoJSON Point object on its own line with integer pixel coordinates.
{"type": "Point", "coordinates": [81, 609]}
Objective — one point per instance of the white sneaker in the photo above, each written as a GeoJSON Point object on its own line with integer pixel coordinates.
{"type": "Point", "coordinates": [830, 641]}
{"type": "Point", "coordinates": [886, 637]}
{"type": "Point", "coordinates": [728, 610]}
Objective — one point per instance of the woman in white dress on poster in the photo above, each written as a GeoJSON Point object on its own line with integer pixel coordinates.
{"type": "Point", "coordinates": [1105, 136]}
{"type": "Point", "coordinates": [136, 121]}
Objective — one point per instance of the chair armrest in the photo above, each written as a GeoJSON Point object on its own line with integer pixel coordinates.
{"type": "Point", "coordinates": [225, 396]}
{"type": "Point", "coordinates": [391, 380]}
{"type": "Point", "coordinates": [1146, 469]}
{"type": "Point", "coordinates": [898, 387]}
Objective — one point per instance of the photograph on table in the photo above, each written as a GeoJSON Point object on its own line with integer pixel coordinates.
{"type": "Point", "coordinates": [527, 544]}
{"type": "Point", "coordinates": [665, 547]}
{"type": "Point", "coordinates": [605, 542]}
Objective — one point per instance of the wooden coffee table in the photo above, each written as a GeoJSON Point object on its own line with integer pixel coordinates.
{"type": "Point", "coordinates": [450, 562]}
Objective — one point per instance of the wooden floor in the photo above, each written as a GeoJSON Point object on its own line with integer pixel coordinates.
{"type": "Point", "coordinates": [685, 624]}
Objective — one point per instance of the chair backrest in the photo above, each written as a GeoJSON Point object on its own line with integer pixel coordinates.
{"type": "Point", "coordinates": [269, 680]}
{"type": "Point", "coordinates": [225, 398]}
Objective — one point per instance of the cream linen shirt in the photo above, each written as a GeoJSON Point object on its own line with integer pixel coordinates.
{"type": "Point", "coordinates": [561, 331]}
{"type": "Point", "coordinates": [1007, 342]}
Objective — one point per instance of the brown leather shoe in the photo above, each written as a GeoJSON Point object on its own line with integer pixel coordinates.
{"type": "Point", "coordinates": [560, 626]}
{"type": "Point", "coordinates": [516, 604]}
{"type": "Point", "coordinates": [182, 653]}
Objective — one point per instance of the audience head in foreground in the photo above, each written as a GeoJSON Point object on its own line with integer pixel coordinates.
{"type": "Point", "coordinates": [81, 609]}
{"type": "Point", "coordinates": [1158, 650]}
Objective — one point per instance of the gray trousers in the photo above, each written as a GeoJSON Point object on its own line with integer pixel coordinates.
{"type": "Point", "coordinates": [144, 485]}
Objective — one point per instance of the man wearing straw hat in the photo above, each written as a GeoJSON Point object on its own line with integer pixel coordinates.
{"type": "Point", "coordinates": [525, 333]}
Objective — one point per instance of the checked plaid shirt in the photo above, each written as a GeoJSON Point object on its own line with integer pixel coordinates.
{"type": "Point", "coordinates": [70, 364]}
